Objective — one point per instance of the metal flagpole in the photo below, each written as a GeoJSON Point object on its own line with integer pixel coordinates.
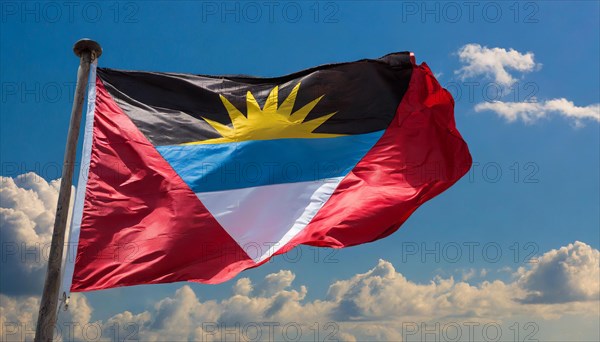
{"type": "Point", "coordinates": [87, 50]}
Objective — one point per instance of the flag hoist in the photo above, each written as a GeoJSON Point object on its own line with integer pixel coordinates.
{"type": "Point", "coordinates": [88, 51]}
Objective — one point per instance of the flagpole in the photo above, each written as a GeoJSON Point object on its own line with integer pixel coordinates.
{"type": "Point", "coordinates": [87, 50]}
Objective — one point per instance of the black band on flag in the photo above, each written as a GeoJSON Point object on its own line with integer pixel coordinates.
{"type": "Point", "coordinates": [169, 108]}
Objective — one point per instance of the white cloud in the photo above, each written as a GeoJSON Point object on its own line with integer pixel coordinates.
{"type": "Point", "coordinates": [15, 313]}
{"type": "Point", "coordinates": [494, 63]}
{"type": "Point", "coordinates": [471, 273]}
{"type": "Point", "coordinates": [571, 273]}
{"type": "Point", "coordinates": [243, 287]}
{"type": "Point", "coordinates": [276, 282]}
{"type": "Point", "coordinates": [27, 210]}
{"type": "Point", "coordinates": [530, 112]}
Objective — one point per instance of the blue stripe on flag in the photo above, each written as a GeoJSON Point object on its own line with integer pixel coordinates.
{"type": "Point", "coordinates": [215, 167]}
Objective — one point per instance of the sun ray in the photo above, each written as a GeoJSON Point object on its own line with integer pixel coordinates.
{"type": "Point", "coordinates": [272, 100]}
{"type": "Point", "coordinates": [288, 104]}
{"type": "Point", "coordinates": [234, 113]}
{"type": "Point", "coordinates": [252, 105]}
{"type": "Point", "coordinates": [224, 130]}
{"type": "Point", "coordinates": [315, 123]}
{"type": "Point", "coordinates": [301, 113]}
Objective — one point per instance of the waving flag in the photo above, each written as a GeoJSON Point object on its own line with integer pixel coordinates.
{"type": "Point", "coordinates": [192, 177]}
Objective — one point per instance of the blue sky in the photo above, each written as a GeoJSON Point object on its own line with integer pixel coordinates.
{"type": "Point", "coordinates": [546, 197]}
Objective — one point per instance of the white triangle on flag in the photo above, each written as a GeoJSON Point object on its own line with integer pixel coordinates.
{"type": "Point", "coordinates": [263, 219]}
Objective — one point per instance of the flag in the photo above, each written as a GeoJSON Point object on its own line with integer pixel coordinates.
{"type": "Point", "coordinates": [196, 178]}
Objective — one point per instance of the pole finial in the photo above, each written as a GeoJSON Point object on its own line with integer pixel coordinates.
{"type": "Point", "coordinates": [87, 45]}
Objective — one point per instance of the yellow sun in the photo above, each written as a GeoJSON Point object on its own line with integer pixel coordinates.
{"type": "Point", "coordinates": [270, 122]}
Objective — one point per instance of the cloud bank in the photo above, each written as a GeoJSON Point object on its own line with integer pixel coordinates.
{"type": "Point", "coordinates": [380, 304]}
